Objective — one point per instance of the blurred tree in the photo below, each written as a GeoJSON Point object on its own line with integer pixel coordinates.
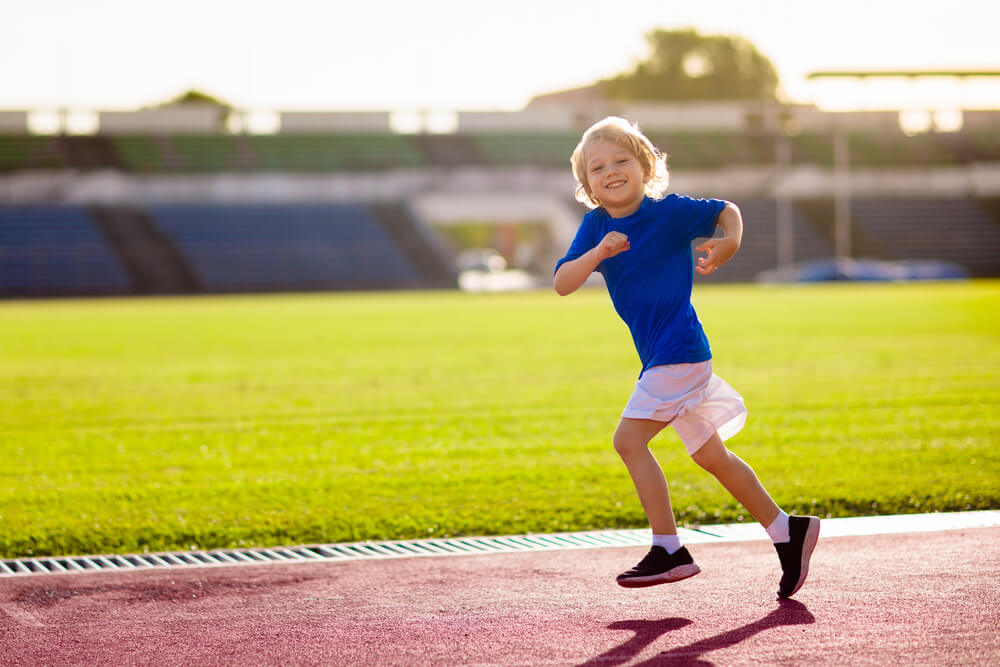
{"type": "Point", "coordinates": [686, 65]}
{"type": "Point", "coordinates": [195, 97]}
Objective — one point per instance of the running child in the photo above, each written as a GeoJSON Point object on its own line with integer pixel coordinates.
{"type": "Point", "coordinates": [639, 238]}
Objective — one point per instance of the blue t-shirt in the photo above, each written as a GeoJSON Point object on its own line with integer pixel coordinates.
{"type": "Point", "coordinates": [650, 283]}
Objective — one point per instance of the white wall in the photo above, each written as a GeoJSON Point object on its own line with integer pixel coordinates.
{"type": "Point", "coordinates": [358, 121]}
{"type": "Point", "coordinates": [198, 120]}
{"type": "Point", "coordinates": [15, 122]}
{"type": "Point", "coordinates": [725, 117]}
{"type": "Point", "coordinates": [548, 120]}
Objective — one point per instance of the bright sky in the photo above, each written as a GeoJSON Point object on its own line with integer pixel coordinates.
{"type": "Point", "coordinates": [458, 54]}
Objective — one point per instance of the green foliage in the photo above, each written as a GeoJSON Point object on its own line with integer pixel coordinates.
{"type": "Point", "coordinates": [196, 97]}
{"type": "Point", "coordinates": [162, 424]}
{"type": "Point", "coordinates": [686, 65]}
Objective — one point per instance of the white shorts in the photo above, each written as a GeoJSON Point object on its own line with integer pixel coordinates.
{"type": "Point", "coordinates": [691, 398]}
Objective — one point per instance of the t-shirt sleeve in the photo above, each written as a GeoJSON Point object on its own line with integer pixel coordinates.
{"type": "Point", "coordinates": [583, 242]}
{"type": "Point", "coordinates": [698, 216]}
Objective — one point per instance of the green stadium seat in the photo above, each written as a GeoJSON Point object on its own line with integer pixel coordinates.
{"type": "Point", "coordinates": [543, 149]}
{"type": "Point", "coordinates": [331, 152]}
{"type": "Point", "coordinates": [20, 151]}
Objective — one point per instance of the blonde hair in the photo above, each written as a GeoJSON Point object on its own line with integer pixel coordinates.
{"type": "Point", "coordinates": [628, 136]}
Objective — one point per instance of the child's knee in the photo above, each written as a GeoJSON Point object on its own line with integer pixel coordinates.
{"type": "Point", "coordinates": [628, 443]}
{"type": "Point", "coordinates": [713, 455]}
{"type": "Point", "coordinates": [633, 435]}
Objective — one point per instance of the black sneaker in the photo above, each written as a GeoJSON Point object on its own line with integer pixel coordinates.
{"type": "Point", "coordinates": [794, 555]}
{"type": "Point", "coordinates": [659, 567]}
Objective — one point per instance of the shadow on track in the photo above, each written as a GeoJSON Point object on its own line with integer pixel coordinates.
{"type": "Point", "coordinates": [789, 612]}
{"type": "Point", "coordinates": [646, 632]}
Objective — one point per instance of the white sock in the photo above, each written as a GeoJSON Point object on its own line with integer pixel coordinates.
{"type": "Point", "coordinates": [778, 530]}
{"type": "Point", "coordinates": [669, 542]}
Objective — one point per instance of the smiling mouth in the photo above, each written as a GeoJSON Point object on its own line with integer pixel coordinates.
{"type": "Point", "coordinates": [615, 185]}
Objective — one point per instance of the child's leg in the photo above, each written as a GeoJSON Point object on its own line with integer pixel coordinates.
{"type": "Point", "coordinates": [799, 533]}
{"type": "Point", "coordinates": [738, 478]}
{"type": "Point", "coordinates": [631, 441]}
{"type": "Point", "coordinates": [667, 560]}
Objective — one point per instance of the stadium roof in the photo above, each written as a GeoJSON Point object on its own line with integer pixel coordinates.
{"type": "Point", "coordinates": [862, 74]}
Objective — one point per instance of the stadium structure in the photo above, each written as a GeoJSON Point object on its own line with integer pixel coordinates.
{"type": "Point", "coordinates": [187, 199]}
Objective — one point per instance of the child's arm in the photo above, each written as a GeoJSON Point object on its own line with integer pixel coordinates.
{"type": "Point", "coordinates": [574, 273]}
{"type": "Point", "coordinates": [721, 250]}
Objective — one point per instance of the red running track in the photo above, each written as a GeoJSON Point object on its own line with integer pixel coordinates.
{"type": "Point", "coordinates": [912, 599]}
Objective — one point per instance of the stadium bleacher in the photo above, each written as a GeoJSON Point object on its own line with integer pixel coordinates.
{"type": "Point", "coordinates": [707, 150]}
{"type": "Point", "coordinates": [812, 148]}
{"type": "Point", "coordinates": [545, 149]}
{"type": "Point", "coordinates": [285, 246]}
{"type": "Point", "coordinates": [151, 242]}
{"type": "Point", "coordinates": [208, 153]}
{"type": "Point", "coordinates": [140, 154]}
{"type": "Point", "coordinates": [183, 248]}
{"type": "Point", "coordinates": [305, 152]}
{"type": "Point", "coordinates": [292, 153]}
{"type": "Point", "coordinates": [19, 152]}
{"type": "Point", "coordinates": [56, 250]}
{"type": "Point", "coordinates": [954, 230]}
{"type": "Point", "coordinates": [890, 149]}
{"type": "Point", "coordinates": [759, 251]}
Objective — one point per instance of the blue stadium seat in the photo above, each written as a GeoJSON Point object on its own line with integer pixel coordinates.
{"type": "Point", "coordinates": [932, 228]}
{"type": "Point", "coordinates": [56, 249]}
{"type": "Point", "coordinates": [285, 246]}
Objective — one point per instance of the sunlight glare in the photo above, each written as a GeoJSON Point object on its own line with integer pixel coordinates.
{"type": "Point", "coordinates": [405, 122]}
{"type": "Point", "coordinates": [948, 120]}
{"type": "Point", "coordinates": [82, 122]}
{"type": "Point", "coordinates": [914, 121]}
{"type": "Point", "coordinates": [441, 122]}
{"type": "Point", "coordinates": [44, 122]}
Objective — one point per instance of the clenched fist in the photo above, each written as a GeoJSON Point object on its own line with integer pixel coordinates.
{"type": "Point", "coordinates": [612, 244]}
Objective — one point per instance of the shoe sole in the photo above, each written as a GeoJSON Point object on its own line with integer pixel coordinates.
{"type": "Point", "coordinates": [808, 544]}
{"type": "Point", "coordinates": [668, 577]}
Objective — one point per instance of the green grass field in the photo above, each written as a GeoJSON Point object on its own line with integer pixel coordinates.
{"type": "Point", "coordinates": [164, 424]}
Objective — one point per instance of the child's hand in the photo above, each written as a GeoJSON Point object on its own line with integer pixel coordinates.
{"type": "Point", "coordinates": [719, 250]}
{"type": "Point", "coordinates": [612, 244]}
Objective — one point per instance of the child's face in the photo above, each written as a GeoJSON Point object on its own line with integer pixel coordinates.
{"type": "Point", "coordinates": [615, 177]}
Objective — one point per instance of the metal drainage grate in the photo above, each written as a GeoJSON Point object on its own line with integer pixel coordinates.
{"type": "Point", "coordinates": [874, 525]}
{"type": "Point", "coordinates": [325, 552]}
